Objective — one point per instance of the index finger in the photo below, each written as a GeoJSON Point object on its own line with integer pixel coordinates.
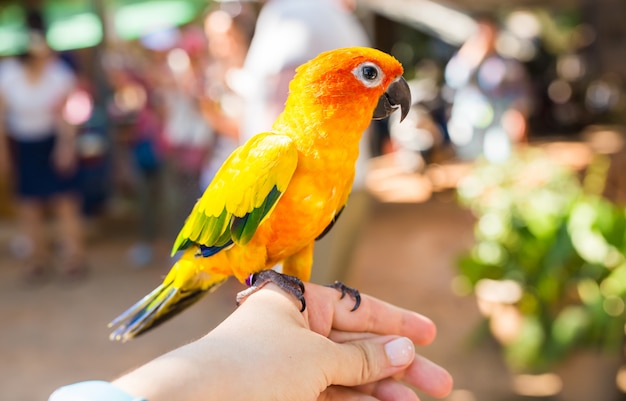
{"type": "Point", "coordinates": [326, 311]}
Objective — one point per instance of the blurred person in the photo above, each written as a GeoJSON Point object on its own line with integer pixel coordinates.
{"type": "Point", "coordinates": [415, 138]}
{"type": "Point", "coordinates": [136, 112]}
{"type": "Point", "coordinates": [188, 138]}
{"type": "Point", "coordinates": [421, 138]}
{"type": "Point", "coordinates": [267, 350]}
{"type": "Point", "coordinates": [38, 148]}
{"type": "Point", "coordinates": [289, 33]}
{"type": "Point", "coordinates": [228, 30]}
{"type": "Point", "coordinates": [491, 97]}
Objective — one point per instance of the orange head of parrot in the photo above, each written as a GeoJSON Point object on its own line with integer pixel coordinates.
{"type": "Point", "coordinates": [354, 82]}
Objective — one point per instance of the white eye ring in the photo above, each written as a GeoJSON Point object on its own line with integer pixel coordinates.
{"type": "Point", "coordinates": [369, 74]}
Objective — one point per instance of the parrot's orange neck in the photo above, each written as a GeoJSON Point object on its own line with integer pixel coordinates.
{"type": "Point", "coordinates": [323, 125]}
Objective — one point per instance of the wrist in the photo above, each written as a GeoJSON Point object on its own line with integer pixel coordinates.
{"type": "Point", "coordinates": [189, 373]}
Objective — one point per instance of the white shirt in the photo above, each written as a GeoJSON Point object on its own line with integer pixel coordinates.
{"type": "Point", "coordinates": [31, 108]}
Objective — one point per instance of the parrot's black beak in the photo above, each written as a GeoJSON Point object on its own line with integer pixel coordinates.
{"type": "Point", "coordinates": [397, 95]}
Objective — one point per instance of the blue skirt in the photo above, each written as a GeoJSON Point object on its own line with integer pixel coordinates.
{"type": "Point", "coordinates": [35, 175]}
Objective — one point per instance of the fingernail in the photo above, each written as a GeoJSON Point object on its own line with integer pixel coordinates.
{"type": "Point", "coordinates": [400, 351]}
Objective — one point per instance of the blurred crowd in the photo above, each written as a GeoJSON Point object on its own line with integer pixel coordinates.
{"type": "Point", "coordinates": [147, 134]}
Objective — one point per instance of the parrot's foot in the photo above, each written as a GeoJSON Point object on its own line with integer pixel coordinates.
{"type": "Point", "coordinates": [290, 284]}
{"type": "Point", "coordinates": [344, 289]}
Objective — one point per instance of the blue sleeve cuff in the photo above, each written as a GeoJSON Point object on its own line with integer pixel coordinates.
{"type": "Point", "coordinates": [93, 390]}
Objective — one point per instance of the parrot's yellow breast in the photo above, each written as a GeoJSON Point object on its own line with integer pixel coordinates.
{"type": "Point", "coordinates": [317, 192]}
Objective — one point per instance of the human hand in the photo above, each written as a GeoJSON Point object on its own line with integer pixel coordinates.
{"type": "Point", "coordinates": [267, 350]}
{"type": "Point", "coordinates": [5, 163]}
{"type": "Point", "coordinates": [384, 364]}
{"type": "Point", "coordinates": [64, 156]}
{"type": "Point", "coordinates": [5, 156]}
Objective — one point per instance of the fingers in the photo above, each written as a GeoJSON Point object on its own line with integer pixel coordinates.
{"type": "Point", "coordinates": [369, 345]}
{"type": "Point", "coordinates": [392, 390]}
{"type": "Point", "coordinates": [336, 393]}
{"type": "Point", "coordinates": [428, 377]}
{"type": "Point", "coordinates": [369, 360]}
{"type": "Point", "coordinates": [327, 311]}
{"type": "Point", "coordinates": [373, 358]}
{"type": "Point", "coordinates": [385, 390]}
{"type": "Point", "coordinates": [345, 336]}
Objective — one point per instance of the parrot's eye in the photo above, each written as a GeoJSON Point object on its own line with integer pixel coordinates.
{"type": "Point", "coordinates": [369, 74]}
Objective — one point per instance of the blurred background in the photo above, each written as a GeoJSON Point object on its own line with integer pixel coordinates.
{"type": "Point", "coordinates": [496, 208]}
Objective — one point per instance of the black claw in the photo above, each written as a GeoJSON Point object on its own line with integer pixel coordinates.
{"type": "Point", "coordinates": [301, 299]}
{"type": "Point", "coordinates": [290, 284]}
{"type": "Point", "coordinates": [344, 289]}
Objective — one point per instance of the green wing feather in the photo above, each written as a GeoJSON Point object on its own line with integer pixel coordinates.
{"type": "Point", "coordinates": [241, 195]}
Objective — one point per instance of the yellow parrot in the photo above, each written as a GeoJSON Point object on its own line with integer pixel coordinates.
{"type": "Point", "coordinates": [281, 190]}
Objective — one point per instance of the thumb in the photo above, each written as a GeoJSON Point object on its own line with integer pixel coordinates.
{"type": "Point", "coordinates": [367, 360]}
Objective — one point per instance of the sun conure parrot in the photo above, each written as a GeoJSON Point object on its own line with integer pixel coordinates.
{"type": "Point", "coordinates": [281, 190]}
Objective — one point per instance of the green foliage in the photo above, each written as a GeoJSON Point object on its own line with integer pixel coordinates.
{"type": "Point", "coordinates": [564, 244]}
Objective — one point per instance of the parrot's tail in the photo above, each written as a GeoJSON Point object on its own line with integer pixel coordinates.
{"type": "Point", "coordinates": [182, 287]}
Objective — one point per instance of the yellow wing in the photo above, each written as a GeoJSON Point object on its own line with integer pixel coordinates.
{"type": "Point", "coordinates": [243, 192]}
